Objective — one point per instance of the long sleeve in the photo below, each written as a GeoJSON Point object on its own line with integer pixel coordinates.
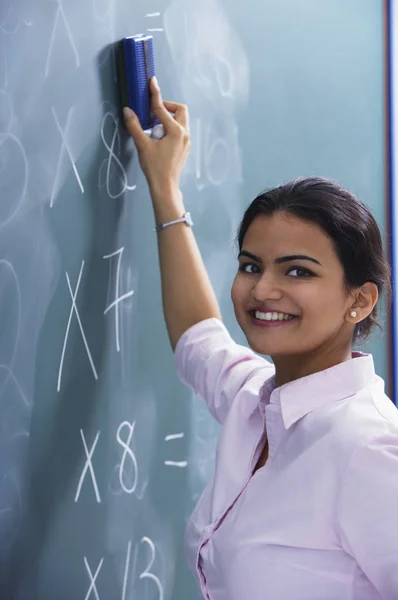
{"type": "Point", "coordinates": [368, 510]}
{"type": "Point", "coordinates": [214, 366]}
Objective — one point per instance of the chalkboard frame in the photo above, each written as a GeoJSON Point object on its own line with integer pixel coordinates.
{"type": "Point", "coordinates": [391, 12]}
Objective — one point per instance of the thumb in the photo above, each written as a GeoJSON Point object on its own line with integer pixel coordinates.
{"type": "Point", "coordinates": [134, 128]}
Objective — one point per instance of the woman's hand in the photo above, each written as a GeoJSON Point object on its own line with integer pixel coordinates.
{"type": "Point", "coordinates": [162, 160]}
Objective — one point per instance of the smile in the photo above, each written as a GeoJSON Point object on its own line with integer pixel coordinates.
{"type": "Point", "coordinates": [267, 319]}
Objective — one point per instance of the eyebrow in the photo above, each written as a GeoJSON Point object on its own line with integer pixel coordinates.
{"type": "Point", "coordinates": [281, 259]}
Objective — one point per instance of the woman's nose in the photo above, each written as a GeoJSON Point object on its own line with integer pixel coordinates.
{"type": "Point", "coordinates": [266, 288]}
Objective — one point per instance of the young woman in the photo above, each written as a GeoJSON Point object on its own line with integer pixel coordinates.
{"type": "Point", "coordinates": [303, 503]}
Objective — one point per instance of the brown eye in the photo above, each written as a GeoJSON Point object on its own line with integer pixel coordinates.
{"type": "Point", "coordinates": [249, 268]}
{"type": "Point", "coordinates": [300, 272]}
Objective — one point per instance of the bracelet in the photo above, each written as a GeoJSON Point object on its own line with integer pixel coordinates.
{"type": "Point", "coordinates": [186, 218]}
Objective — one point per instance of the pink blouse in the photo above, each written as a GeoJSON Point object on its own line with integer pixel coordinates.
{"type": "Point", "coordinates": [320, 520]}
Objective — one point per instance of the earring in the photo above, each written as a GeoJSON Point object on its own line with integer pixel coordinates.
{"type": "Point", "coordinates": [353, 314]}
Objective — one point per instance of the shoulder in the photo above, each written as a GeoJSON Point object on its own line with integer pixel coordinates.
{"type": "Point", "coordinates": [217, 368]}
{"type": "Point", "coordinates": [363, 417]}
{"type": "Point", "coordinates": [383, 407]}
{"type": "Point", "coordinates": [370, 408]}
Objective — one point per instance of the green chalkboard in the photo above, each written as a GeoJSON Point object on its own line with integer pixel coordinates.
{"type": "Point", "coordinates": [103, 452]}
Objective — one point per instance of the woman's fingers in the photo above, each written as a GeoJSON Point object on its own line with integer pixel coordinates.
{"type": "Point", "coordinates": [158, 107]}
{"type": "Point", "coordinates": [162, 110]}
{"type": "Point", "coordinates": [134, 128]}
{"type": "Point", "coordinates": [180, 111]}
{"type": "Point", "coordinates": [161, 161]}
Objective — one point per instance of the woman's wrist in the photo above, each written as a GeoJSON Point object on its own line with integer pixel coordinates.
{"type": "Point", "coordinates": [168, 190]}
{"type": "Point", "coordinates": [168, 205]}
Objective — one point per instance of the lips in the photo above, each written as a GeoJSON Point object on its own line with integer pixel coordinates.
{"type": "Point", "coordinates": [252, 311]}
{"type": "Point", "coordinates": [271, 323]}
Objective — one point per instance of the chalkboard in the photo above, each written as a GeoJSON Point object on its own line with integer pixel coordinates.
{"type": "Point", "coordinates": [103, 452]}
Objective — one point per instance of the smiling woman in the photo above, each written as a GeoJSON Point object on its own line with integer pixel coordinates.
{"type": "Point", "coordinates": [350, 226]}
{"type": "Point", "coordinates": [315, 252]}
{"type": "Point", "coordinates": [303, 500]}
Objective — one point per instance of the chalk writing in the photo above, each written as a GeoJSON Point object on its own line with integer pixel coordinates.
{"type": "Point", "coordinates": [147, 574]}
{"type": "Point", "coordinates": [151, 16]}
{"type": "Point", "coordinates": [61, 14]}
{"type": "Point", "coordinates": [126, 571]}
{"type": "Point", "coordinates": [93, 579]}
{"type": "Point", "coordinates": [113, 162]}
{"type": "Point", "coordinates": [12, 147]}
{"type": "Point", "coordinates": [214, 158]}
{"type": "Point", "coordinates": [171, 463]}
{"type": "Point", "coordinates": [6, 99]}
{"type": "Point", "coordinates": [8, 277]}
{"type": "Point", "coordinates": [105, 15]}
{"type": "Point", "coordinates": [118, 299]}
{"type": "Point", "coordinates": [5, 25]}
{"type": "Point", "coordinates": [74, 310]}
{"type": "Point", "coordinates": [88, 467]}
{"type": "Point", "coordinates": [64, 147]}
{"type": "Point", "coordinates": [127, 453]}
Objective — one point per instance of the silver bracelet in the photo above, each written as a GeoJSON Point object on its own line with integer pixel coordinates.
{"type": "Point", "coordinates": [186, 218]}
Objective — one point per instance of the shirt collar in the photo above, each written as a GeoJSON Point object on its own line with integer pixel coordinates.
{"type": "Point", "coordinates": [299, 397]}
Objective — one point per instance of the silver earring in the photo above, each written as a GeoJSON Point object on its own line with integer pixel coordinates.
{"type": "Point", "coordinates": [353, 314]}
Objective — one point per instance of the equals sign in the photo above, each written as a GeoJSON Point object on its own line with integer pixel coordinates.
{"type": "Point", "coordinates": [151, 16]}
{"type": "Point", "coordinates": [172, 463]}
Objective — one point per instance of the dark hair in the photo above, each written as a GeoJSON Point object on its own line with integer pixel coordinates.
{"type": "Point", "coordinates": [345, 219]}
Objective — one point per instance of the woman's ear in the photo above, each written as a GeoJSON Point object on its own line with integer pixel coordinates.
{"type": "Point", "coordinates": [365, 299]}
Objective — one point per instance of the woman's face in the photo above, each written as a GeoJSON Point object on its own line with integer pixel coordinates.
{"type": "Point", "coordinates": [288, 269]}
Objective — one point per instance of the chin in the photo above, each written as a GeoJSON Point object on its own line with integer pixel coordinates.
{"type": "Point", "coordinates": [264, 347]}
{"type": "Point", "coordinates": [270, 349]}
{"type": "Point", "coordinates": [264, 344]}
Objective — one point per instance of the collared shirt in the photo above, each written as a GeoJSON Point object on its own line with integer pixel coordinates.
{"type": "Point", "coordinates": [320, 520]}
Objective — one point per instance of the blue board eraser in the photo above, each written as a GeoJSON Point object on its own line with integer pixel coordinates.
{"type": "Point", "coordinates": [136, 67]}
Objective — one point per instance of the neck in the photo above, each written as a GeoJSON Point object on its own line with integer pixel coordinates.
{"type": "Point", "coordinates": [291, 367]}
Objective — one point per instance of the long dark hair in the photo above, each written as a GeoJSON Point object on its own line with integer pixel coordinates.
{"type": "Point", "coordinates": [346, 220]}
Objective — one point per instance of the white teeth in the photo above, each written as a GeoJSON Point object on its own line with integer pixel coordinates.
{"type": "Point", "coordinates": [272, 316]}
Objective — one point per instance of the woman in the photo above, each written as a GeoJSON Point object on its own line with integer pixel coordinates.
{"type": "Point", "coordinates": [303, 504]}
